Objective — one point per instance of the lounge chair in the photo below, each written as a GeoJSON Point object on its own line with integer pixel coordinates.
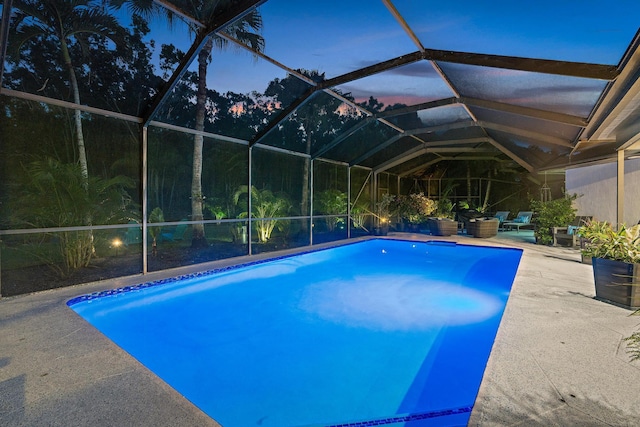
{"type": "Point", "coordinates": [176, 235]}
{"type": "Point", "coordinates": [502, 217]}
{"type": "Point", "coordinates": [522, 220]}
{"type": "Point", "coordinates": [133, 235]}
{"type": "Point", "coordinates": [569, 234]}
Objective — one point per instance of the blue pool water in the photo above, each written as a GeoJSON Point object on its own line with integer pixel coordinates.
{"type": "Point", "coordinates": [385, 331]}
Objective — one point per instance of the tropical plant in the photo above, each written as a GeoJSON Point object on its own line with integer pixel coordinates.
{"type": "Point", "coordinates": [605, 241]}
{"type": "Point", "coordinates": [265, 208]}
{"type": "Point", "coordinates": [69, 24]}
{"type": "Point", "coordinates": [552, 213]}
{"type": "Point", "coordinates": [332, 202]}
{"type": "Point", "coordinates": [621, 244]}
{"type": "Point", "coordinates": [156, 215]}
{"type": "Point", "coordinates": [359, 216]}
{"type": "Point", "coordinates": [53, 194]}
{"type": "Point", "coordinates": [217, 211]}
{"type": "Point", "coordinates": [414, 208]}
{"type": "Point", "coordinates": [633, 345]}
{"type": "Point", "coordinates": [384, 209]}
{"type": "Point", "coordinates": [444, 209]}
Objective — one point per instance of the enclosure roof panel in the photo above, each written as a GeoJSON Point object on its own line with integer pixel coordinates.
{"type": "Point", "coordinates": [363, 82]}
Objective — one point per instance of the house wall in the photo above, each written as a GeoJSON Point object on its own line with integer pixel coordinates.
{"type": "Point", "coordinates": [596, 185]}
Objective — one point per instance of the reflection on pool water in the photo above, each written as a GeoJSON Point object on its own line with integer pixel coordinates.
{"type": "Point", "coordinates": [389, 331]}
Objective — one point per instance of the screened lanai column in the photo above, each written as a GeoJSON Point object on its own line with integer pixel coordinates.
{"type": "Point", "coordinates": [620, 188]}
{"type": "Point", "coordinates": [348, 202]}
{"type": "Point", "coordinates": [145, 194]}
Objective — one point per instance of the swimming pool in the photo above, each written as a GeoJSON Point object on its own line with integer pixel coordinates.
{"type": "Point", "coordinates": [387, 331]}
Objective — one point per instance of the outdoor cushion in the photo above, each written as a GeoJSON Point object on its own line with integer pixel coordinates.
{"type": "Point", "coordinates": [523, 219]}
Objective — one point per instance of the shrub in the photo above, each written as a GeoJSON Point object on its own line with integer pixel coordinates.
{"type": "Point", "coordinates": [553, 213]}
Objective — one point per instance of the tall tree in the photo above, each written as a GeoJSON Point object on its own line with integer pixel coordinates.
{"type": "Point", "coordinates": [69, 24]}
{"type": "Point", "coordinates": [313, 124]}
{"type": "Point", "coordinates": [245, 30]}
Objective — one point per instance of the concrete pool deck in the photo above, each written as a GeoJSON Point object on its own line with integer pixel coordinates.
{"type": "Point", "coordinates": [558, 358]}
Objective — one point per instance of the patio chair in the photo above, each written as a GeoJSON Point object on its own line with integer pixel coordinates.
{"type": "Point", "coordinates": [522, 220]}
{"type": "Point", "coordinates": [502, 217]}
{"type": "Point", "coordinates": [176, 235]}
{"type": "Point", "coordinates": [569, 234]}
{"type": "Point", "coordinates": [133, 235]}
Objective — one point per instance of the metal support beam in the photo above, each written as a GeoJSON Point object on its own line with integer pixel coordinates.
{"type": "Point", "coordinates": [349, 202]}
{"type": "Point", "coordinates": [442, 128]}
{"type": "Point", "coordinates": [310, 184]}
{"type": "Point", "coordinates": [420, 150]}
{"type": "Point", "coordinates": [346, 134]}
{"type": "Point", "coordinates": [613, 104]}
{"type": "Point", "coordinates": [144, 148]}
{"type": "Point", "coordinates": [259, 54]}
{"type": "Point", "coordinates": [4, 34]}
{"type": "Point", "coordinates": [620, 189]}
{"type": "Point", "coordinates": [404, 157]}
{"type": "Point", "coordinates": [373, 69]}
{"type": "Point", "coordinates": [444, 102]}
{"type": "Point", "coordinates": [546, 66]}
{"type": "Point", "coordinates": [283, 115]}
{"type": "Point", "coordinates": [377, 148]}
{"type": "Point", "coordinates": [403, 24]}
{"type": "Point", "coordinates": [70, 105]}
{"type": "Point", "coordinates": [527, 134]}
{"type": "Point", "coordinates": [566, 119]}
{"type": "Point", "coordinates": [249, 199]}
{"type": "Point", "coordinates": [511, 155]}
{"type": "Point", "coordinates": [423, 166]}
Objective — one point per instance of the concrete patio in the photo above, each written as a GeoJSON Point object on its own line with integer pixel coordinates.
{"type": "Point", "coordinates": [558, 358]}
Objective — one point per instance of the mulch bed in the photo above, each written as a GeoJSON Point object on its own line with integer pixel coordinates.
{"type": "Point", "coordinates": [42, 277]}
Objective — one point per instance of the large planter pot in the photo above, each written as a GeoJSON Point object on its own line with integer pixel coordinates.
{"type": "Point", "coordinates": [443, 227]}
{"type": "Point", "coordinates": [617, 282]}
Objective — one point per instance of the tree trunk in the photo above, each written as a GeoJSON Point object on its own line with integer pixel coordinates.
{"type": "Point", "coordinates": [469, 184]}
{"type": "Point", "coordinates": [82, 155]}
{"type": "Point", "coordinates": [197, 198]}
{"type": "Point", "coordinates": [487, 192]}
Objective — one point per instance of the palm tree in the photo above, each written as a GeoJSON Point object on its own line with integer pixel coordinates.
{"type": "Point", "coordinates": [70, 24]}
{"type": "Point", "coordinates": [54, 194]}
{"type": "Point", "coordinates": [244, 30]}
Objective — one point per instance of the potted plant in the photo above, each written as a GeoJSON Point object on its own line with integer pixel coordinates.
{"type": "Point", "coordinates": [549, 214]}
{"type": "Point", "coordinates": [615, 255]}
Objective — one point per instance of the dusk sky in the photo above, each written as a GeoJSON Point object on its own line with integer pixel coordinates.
{"type": "Point", "coordinates": [337, 37]}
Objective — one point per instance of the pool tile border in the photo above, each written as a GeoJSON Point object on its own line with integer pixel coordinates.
{"type": "Point", "coordinates": [406, 418]}
{"type": "Point", "coordinates": [133, 288]}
